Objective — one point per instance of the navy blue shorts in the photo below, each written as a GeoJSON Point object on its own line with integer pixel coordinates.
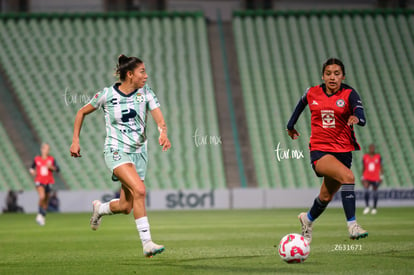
{"type": "Point", "coordinates": [344, 158]}
{"type": "Point", "coordinates": [374, 184]}
{"type": "Point", "coordinates": [47, 187]}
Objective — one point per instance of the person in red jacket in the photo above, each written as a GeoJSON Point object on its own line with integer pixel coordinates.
{"type": "Point", "coordinates": [371, 176]}
{"type": "Point", "coordinates": [42, 170]}
{"type": "Point", "coordinates": [335, 108]}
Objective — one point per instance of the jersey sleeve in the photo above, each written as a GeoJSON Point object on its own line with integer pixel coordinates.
{"type": "Point", "coordinates": [356, 107]}
{"type": "Point", "coordinates": [98, 99]}
{"type": "Point", "coordinates": [56, 165]}
{"type": "Point", "coordinates": [152, 100]}
{"type": "Point", "coordinates": [300, 106]}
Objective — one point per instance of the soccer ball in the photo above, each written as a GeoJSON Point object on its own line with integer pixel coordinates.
{"type": "Point", "coordinates": [293, 248]}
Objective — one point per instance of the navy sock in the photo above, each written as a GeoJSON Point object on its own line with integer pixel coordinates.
{"type": "Point", "coordinates": [42, 211]}
{"type": "Point", "coordinates": [366, 196]}
{"type": "Point", "coordinates": [375, 195]}
{"type": "Point", "coordinates": [317, 208]}
{"type": "Point", "coordinates": [348, 200]}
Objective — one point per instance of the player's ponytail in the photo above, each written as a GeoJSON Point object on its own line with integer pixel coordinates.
{"type": "Point", "coordinates": [122, 59]}
{"type": "Point", "coordinates": [126, 64]}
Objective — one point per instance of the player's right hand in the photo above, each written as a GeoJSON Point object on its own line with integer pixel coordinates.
{"type": "Point", "coordinates": [293, 133]}
{"type": "Point", "coordinates": [75, 150]}
{"type": "Point", "coordinates": [32, 172]}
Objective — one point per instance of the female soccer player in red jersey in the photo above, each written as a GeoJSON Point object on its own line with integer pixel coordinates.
{"type": "Point", "coordinates": [42, 169]}
{"type": "Point", "coordinates": [335, 107]}
{"type": "Point", "coordinates": [126, 105]}
{"type": "Point", "coordinates": [371, 176]}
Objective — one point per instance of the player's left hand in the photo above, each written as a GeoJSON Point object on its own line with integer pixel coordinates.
{"type": "Point", "coordinates": [352, 120]}
{"type": "Point", "coordinates": [51, 167]}
{"type": "Point", "coordinates": [32, 172]}
{"type": "Point", "coordinates": [164, 142]}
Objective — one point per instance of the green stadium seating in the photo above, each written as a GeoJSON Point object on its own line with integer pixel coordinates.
{"type": "Point", "coordinates": [14, 174]}
{"type": "Point", "coordinates": [281, 53]}
{"type": "Point", "coordinates": [56, 63]}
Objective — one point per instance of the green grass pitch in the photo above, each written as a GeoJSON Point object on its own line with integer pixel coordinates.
{"type": "Point", "coordinates": [205, 242]}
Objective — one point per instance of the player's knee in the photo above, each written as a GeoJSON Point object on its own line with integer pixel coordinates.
{"type": "Point", "coordinates": [348, 177]}
{"type": "Point", "coordinates": [139, 191]}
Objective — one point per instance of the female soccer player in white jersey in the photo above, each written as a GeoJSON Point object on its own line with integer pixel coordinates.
{"type": "Point", "coordinates": [125, 107]}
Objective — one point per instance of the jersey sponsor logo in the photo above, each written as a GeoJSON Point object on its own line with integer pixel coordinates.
{"type": "Point", "coordinates": [128, 114]}
{"type": "Point", "coordinates": [129, 130]}
{"type": "Point", "coordinates": [314, 102]}
{"type": "Point", "coordinates": [44, 171]}
{"type": "Point", "coordinates": [140, 98]}
{"type": "Point", "coordinates": [340, 103]}
{"type": "Point", "coordinates": [328, 118]}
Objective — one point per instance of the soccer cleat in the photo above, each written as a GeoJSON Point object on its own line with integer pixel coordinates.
{"type": "Point", "coordinates": [40, 220]}
{"type": "Point", "coordinates": [306, 227]}
{"type": "Point", "coordinates": [373, 211]}
{"type": "Point", "coordinates": [366, 210]}
{"type": "Point", "coordinates": [151, 249]}
{"type": "Point", "coordinates": [356, 232]}
{"type": "Point", "coordinates": [96, 218]}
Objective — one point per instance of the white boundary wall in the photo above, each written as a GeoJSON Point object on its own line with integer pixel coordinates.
{"type": "Point", "coordinates": [247, 198]}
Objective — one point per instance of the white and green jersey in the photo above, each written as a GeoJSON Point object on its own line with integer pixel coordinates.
{"type": "Point", "coordinates": [126, 117]}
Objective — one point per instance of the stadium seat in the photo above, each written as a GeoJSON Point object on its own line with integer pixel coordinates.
{"type": "Point", "coordinates": [14, 174]}
{"type": "Point", "coordinates": [68, 59]}
{"type": "Point", "coordinates": [280, 55]}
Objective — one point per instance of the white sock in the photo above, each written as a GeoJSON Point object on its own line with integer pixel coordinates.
{"type": "Point", "coordinates": [143, 229]}
{"type": "Point", "coordinates": [351, 223]}
{"type": "Point", "coordinates": [104, 209]}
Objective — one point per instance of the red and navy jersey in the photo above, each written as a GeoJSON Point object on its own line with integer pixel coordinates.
{"type": "Point", "coordinates": [329, 117]}
{"type": "Point", "coordinates": [43, 174]}
{"type": "Point", "coordinates": [372, 165]}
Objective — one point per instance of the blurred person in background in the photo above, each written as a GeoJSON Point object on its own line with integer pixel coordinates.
{"type": "Point", "coordinates": [42, 170]}
{"type": "Point", "coordinates": [372, 175]}
{"type": "Point", "coordinates": [54, 203]}
{"type": "Point", "coordinates": [11, 203]}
